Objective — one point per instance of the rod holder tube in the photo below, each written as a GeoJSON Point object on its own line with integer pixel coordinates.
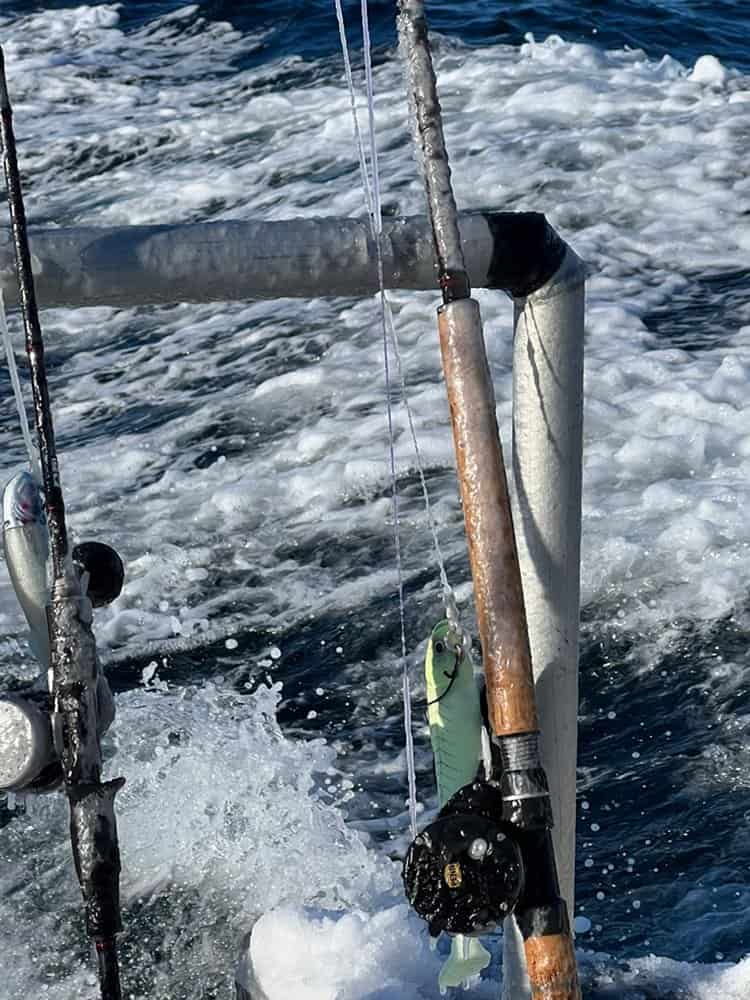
{"type": "Point", "coordinates": [547, 450]}
{"type": "Point", "coordinates": [254, 259]}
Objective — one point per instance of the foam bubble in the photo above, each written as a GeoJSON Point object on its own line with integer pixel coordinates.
{"type": "Point", "coordinates": [709, 70]}
{"type": "Point", "coordinates": [320, 956]}
{"type": "Point", "coordinates": [219, 822]}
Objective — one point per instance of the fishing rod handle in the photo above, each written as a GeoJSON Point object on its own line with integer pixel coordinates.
{"type": "Point", "coordinates": [551, 965]}
{"type": "Point", "coordinates": [489, 528]}
{"type": "Point", "coordinates": [541, 913]}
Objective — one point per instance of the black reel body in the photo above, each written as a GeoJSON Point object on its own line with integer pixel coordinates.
{"type": "Point", "coordinates": [30, 746]}
{"type": "Point", "coordinates": [464, 873]}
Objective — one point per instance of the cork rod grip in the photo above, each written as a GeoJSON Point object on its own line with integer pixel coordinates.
{"type": "Point", "coordinates": [489, 529]}
{"type": "Point", "coordinates": [551, 965]}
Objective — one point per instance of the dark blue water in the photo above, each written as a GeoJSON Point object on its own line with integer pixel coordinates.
{"type": "Point", "coordinates": [684, 29]}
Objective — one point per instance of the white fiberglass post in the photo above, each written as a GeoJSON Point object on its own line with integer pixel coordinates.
{"type": "Point", "coordinates": [547, 449]}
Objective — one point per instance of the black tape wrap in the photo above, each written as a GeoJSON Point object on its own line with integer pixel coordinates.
{"type": "Point", "coordinates": [527, 809]}
{"type": "Point", "coordinates": [526, 802]}
{"type": "Point", "coordinates": [97, 857]}
{"type": "Point", "coordinates": [526, 252]}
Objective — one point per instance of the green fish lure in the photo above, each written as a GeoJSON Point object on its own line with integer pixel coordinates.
{"type": "Point", "coordinates": [455, 718]}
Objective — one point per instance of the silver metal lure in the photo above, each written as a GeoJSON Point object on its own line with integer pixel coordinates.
{"type": "Point", "coordinates": [26, 546]}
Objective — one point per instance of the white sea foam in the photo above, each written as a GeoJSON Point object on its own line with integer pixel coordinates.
{"type": "Point", "coordinates": [343, 956]}
{"type": "Point", "coordinates": [221, 820]}
{"type": "Point", "coordinates": [631, 159]}
{"type": "Point", "coordinates": [247, 441]}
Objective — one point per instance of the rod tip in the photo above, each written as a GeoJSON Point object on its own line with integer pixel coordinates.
{"type": "Point", "coordinates": [4, 99]}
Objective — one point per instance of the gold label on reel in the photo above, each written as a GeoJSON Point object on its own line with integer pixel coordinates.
{"type": "Point", "coordinates": [453, 875]}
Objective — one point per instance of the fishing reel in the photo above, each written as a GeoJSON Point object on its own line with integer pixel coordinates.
{"type": "Point", "coordinates": [465, 872]}
{"type": "Point", "coordinates": [30, 743]}
{"type": "Point", "coordinates": [30, 746]}
{"type": "Point", "coordinates": [489, 855]}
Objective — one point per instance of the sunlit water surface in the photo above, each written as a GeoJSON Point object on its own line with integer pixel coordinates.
{"type": "Point", "coordinates": [236, 455]}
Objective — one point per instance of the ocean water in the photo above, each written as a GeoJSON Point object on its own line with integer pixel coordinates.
{"type": "Point", "coordinates": [236, 455]}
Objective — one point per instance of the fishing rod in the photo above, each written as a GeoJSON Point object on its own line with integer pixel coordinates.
{"type": "Point", "coordinates": [76, 695]}
{"type": "Point", "coordinates": [489, 854]}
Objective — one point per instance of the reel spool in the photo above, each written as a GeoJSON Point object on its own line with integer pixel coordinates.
{"type": "Point", "coordinates": [27, 751]}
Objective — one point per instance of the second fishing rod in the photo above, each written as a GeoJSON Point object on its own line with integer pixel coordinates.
{"type": "Point", "coordinates": [74, 665]}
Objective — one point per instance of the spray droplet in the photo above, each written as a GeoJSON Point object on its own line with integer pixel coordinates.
{"type": "Point", "coordinates": [147, 674]}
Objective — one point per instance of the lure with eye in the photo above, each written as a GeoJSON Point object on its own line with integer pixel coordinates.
{"type": "Point", "coordinates": [29, 760]}
{"type": "Point", "coordinates": [26, 547]}
{"type": "Point", "coordinates": [453, 710]}
{"type": "Point", "coordinates": [455, 718]}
